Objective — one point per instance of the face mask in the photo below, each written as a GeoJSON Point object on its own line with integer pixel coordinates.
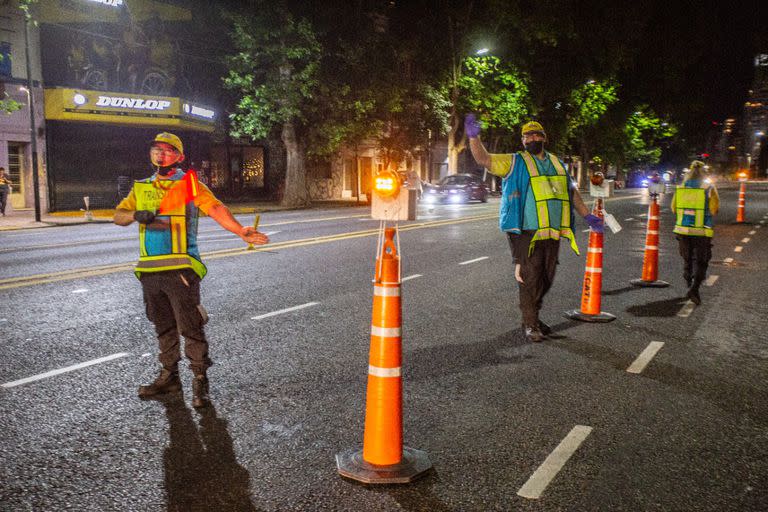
{"type": "Point", "coordinates": [534, 147]}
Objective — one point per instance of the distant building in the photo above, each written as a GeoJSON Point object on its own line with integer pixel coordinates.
{"type": "Point", "coordinates": [756, 118]}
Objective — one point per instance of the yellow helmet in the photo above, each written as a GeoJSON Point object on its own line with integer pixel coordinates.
{"type": "Point", "coordinates": [695, 164]}
{"type": "Point", "coordinates": [532, 126]}
{"type": "Point", "coordinates": [171, 140]}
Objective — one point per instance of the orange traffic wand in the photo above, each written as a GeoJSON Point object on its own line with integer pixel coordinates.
{"type": "Point", "coordinates": [650, 277]}
{"type": "Point", "coordinates": [593, 278]}
{"type": "Point", "coordinates": [383, 459]}
{"type": "Point", "coordinates": [251, 247]}
{"type": "Point", "coordinates": [742, 200]}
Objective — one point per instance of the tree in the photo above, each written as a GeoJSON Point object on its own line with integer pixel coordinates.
{"type": "Point", "coordinates": [276, 73]}
{"type": "Point", "coordinates": [645, 131]}
{"type": "Point", "coordinates": [497, 92]}
{"type": "Point", "coordinates": [586, 106]}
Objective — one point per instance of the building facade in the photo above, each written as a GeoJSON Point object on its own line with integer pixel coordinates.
{"type": "Point", "coordinates": [756, 120]}
{"type": "Point", "coordinates": [15, 127]}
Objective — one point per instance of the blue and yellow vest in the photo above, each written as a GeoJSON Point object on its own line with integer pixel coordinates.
{"type": "Point", "coordinates": [175, 246]}
{"type": "Point", "coordinates": [551, 194]}
{"type": "Point", "coordinates": [692, 210]}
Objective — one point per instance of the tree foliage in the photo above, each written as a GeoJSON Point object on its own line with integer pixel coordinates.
{"type": "Point", "coordinates": [645, 132]}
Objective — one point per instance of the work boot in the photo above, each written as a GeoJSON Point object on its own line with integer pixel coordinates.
{"type": "Point", "coordinates": [544, 328]}
{"type": "Point", "coordinates": [693, 294]}
{"type": "Point", "coordinates": [533, 334]}
{"type": "Point", "coordinates": [200, 396]}
{"type": "Point", "coordinates": [167, 382]}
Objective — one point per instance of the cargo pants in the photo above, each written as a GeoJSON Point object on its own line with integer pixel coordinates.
{"type": "Point", "coordinates": [172, 300]}
{"type": "Point", "coordinates": [537, 271]}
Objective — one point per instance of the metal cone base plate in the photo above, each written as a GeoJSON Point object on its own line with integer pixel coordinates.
{"type": "Point", "coordinates": [603, 317]}
{"type": "Point", "coordinates": [415, 464]}
{"type": "Point", "coordinates": [649, 284]}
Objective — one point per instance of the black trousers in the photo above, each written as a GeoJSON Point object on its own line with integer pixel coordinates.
{"type": "Point", "coordinates": [696, 252]}
{"type": "Point", "coordinates": [3, 198]}
{"type": "Point", "coordinates": [172, 299]}
{"type": "Point", "coordinates": [537, 271]}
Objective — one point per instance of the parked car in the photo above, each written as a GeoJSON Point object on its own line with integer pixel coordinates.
{"type": "Point", "coordinates": [457, 188]}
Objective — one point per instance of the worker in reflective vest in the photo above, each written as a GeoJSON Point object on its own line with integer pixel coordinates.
{"type": "Point", "coordinates": [166, 206]}
{"type": "Point", "coordinates": [695, 203]}
{"type": "Point", "coordinates": [537, 205]}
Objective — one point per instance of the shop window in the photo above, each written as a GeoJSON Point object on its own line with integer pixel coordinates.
{"type": "Point", "coordinates": [253, 167]}
{"type": "Point", "coordinates": [5, 59]}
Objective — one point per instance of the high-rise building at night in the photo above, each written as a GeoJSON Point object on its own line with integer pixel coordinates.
{"type": "Point", "coordinates": [756, 117]}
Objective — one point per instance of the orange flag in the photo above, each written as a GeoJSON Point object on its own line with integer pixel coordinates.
{"type": "Point", "coordinates": [181, 193]}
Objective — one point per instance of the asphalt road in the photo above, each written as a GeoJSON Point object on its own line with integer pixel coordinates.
{"type": "Point", "coordinates": [688, 432]}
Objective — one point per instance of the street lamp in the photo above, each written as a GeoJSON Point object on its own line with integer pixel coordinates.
{"type": "Point", "coordinates": [32, 127]}
{"type": "Point", "coordinates": [482, 51]}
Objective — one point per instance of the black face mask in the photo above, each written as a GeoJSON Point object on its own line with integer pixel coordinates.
{"type": "Point", "coordinates": [165, 171]}
{"type": "Point", "coordinates": [534, 147]}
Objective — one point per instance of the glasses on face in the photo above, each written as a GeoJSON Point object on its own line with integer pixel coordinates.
{"type": "Point", "coordinates": [162, 151]}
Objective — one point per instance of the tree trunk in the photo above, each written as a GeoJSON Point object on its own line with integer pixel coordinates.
{"type": "Point", "coordinates": [295, 190]}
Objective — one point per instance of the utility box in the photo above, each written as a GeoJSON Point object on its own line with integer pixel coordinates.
{"type": "Point", "coordinates": [603, 190]}
{"type": "Point", "coordinates": [399, 207]}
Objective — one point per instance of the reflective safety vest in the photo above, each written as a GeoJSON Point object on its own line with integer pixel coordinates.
{"type": "Point", "coordinates": [174, 246]}
{"type": "Point", "coordinates": [691, 211]}
{"type": "Point", "coordinates": [547, 191]}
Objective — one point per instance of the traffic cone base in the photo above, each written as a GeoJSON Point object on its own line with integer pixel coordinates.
{"type": "Point", "coordinates": [602, 317]}
{"type": "Point", "coordinates": [649, 284]}
{"type": "Point", "coordinates": [414, 465]}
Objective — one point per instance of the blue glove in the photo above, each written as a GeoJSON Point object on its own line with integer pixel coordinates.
{"type": "Point", "coordinates": [595, 223]}
{"type": "Point", "coordinates": [471, 126]}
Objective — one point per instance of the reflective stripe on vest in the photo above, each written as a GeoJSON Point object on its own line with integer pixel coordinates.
{"type": "Point", "coordinates": [691, 202]}
{"type": "Point", "coordinates": [547, 189]}
{"type": "Point", "coordinates": [163, 249]}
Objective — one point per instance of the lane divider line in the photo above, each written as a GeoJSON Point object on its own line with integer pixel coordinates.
{"type": "Point", "coordinates": [745, 240]}
{"type": "Point", "coordinates": [473, 261]}
{"type": "Point", "coordinates": [80, 290]}
{"type": "Point", "coordinates": [74, 367]}
{"type": "Point", "coordinates": [67, 275]}
{"type": "Point", "coordinates": [286, 310]}
{"type": "Point", "coordinates": [728, 260]}
{"type": "Point", "coordinates": [738, 248]}
{"type": "Point", "coordinates": [645, 357]}
{"type": "Point", "coordinates": [752, 232]}
{"type": "Point", "coordinates": [408, 278]}
{"type": "Point", "coordinates": [686, 310]}
{"type": "Point", "coordinates": [541, 478]}
{"type": "Point", "coordinates": [711, 280]}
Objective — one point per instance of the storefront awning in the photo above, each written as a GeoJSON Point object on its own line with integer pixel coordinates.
{"type": "Point", "coordinates": [127, 109]}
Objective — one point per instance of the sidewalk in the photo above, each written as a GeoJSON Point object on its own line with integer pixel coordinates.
{"type": "Point", "coordinates": [25, 218]}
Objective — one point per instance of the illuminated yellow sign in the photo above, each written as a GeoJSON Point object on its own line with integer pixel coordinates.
{"type": "Point", "coordinates": [126, 109]}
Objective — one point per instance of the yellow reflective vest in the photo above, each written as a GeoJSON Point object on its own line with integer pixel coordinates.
{"type": "Point", "coordinates": [692, 218]}
{"type": "Point", "coordinates": [173, 246]}
{"type": "Point", "coordinates": [547, 190]}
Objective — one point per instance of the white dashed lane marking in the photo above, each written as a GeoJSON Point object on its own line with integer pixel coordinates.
{"type": "Point", "coordinates": [72, 368]}
{"type": "Point", "coordinates": [552, 465]}
{"type": "Point", "coordinates": [738, 248]}
{"type": "Point", "coordinates": [408, 278]}
{"type": "Point", "coordinates": [745, 240]}
{"type": "Point", "coordinates": [286, 310]}
{"type": "Point", "coordinates": [752, 232]}
{"type": "Point", "coordinates": [645, 357]}
{"type": "Point", "coordinates": [686, 310]}
{"type": "Point", "coordinates": [80, 290]}
{"type": "Point", "coordinates": [710, 280]}
{"type": "Point", "coordinates": [473, 261]}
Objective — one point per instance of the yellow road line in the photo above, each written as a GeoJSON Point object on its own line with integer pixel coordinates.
{"type": "Point", "coordinates": [67, 275]}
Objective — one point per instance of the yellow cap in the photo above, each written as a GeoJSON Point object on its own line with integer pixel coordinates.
{"type": "Point", "coordinates": [532, 126]}
{"type": "Point", "coordinates": [170, 139]}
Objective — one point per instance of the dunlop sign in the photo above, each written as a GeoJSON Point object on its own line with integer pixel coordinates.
{"type": "Point", "coordinates": [126, 109]}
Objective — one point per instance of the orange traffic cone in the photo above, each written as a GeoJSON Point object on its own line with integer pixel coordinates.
{"type": "Point", "coordinates": [593, 278]}
{"type": "Point", "coordinates": [742, 200]}
{"type": "Point", "coordinates": [650, 276]}
{"type": "Point", "coordinates": [383, 459]}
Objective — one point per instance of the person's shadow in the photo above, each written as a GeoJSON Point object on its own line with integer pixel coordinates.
{"type": "Point", "coordinates": [201, 470]}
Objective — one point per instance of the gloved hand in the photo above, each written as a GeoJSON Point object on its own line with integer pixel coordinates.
{"type": "Point", "coordinates": [595, 223]}
{"type": "Point", "coordinates": [143, 216]}
{"type": "Point", "coordinates": [471, 126]}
